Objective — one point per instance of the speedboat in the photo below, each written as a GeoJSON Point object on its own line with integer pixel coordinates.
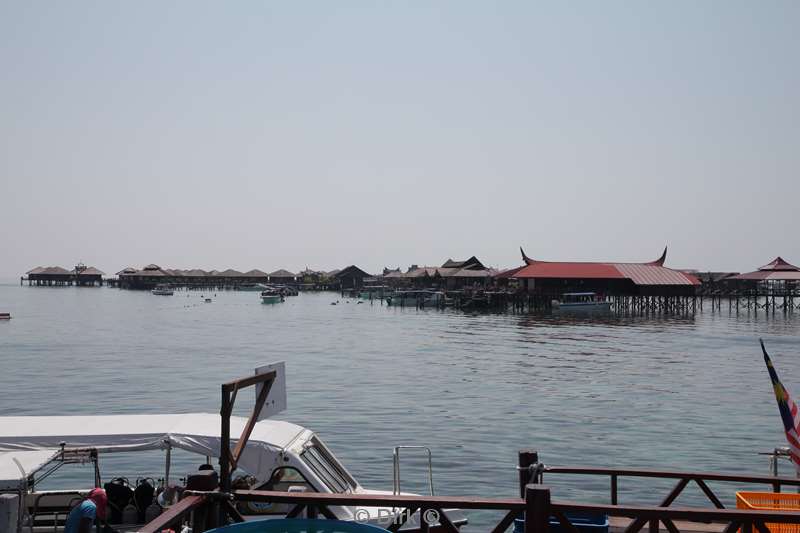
{"type": "Point", "coordinates": [581, 301]}
{"type": "Point", "coordinates": [278, 456]}
{"type": "Point", "coordinates": [162, 290]}
{"type": "Point", "coordinates": [271, 296]}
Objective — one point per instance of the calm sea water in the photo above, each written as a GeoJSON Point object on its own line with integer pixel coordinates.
{"type": "Point", "coordinates": [684, 393]}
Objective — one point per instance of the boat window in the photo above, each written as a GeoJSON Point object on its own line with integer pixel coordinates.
{"type": "Point", "coordinates": [324, 465]}
{"type": "Point", "coordinates": [284, 477]}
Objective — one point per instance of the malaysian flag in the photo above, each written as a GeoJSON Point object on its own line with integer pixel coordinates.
{"type": "Point", "coordinates": [788, 409]}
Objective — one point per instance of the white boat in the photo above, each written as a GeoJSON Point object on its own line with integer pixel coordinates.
{"type": "Point", "coordinates": [581, 301]}
{"type": "Point", "coordinates": [278, 456]}
{"type": "Point", "coordinates": [271, 296]}
{"type": "Point", "coordinates": [162, 290]}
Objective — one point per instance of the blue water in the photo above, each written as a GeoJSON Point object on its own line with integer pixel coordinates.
{"type": "Point", "coordinates": [685, 393]}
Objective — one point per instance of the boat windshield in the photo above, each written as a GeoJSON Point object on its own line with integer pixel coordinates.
{"type": "Point", "coordinates": [326, 467]}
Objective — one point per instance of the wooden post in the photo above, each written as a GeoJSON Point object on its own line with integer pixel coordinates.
{"type": "Point", "coordinates": [225, 441]}
{"type": "Point", "coordinates": [537, 508]}
{"type": "Point", "coordinates": [527, 458]}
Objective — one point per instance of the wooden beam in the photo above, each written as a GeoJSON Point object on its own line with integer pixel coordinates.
{"type": "Point", "coordinates": [379, 500]}
{"type": "Point", "coordinates": [174, 514]}
{"type": "Point", "coordinates": [251, 423]}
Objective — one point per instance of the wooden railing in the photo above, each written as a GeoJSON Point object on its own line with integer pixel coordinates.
{"type": "Point", "coordinates": [536, 508]}
{"type": "Point", "coordinates": [429, 513]}
{"type": "Point", "coordinates": [684, 478]}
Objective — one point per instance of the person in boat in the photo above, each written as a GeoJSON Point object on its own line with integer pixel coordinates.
{"type": "Point", "coordinates": [82, 517]}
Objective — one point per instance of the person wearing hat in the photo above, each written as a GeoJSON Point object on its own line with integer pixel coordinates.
{"type": "Point", "coordinates": [82, 516]}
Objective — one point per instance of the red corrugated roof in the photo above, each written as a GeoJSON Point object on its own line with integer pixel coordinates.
{"type": "Point", "coordinates": [652, 273]}
{"type": "Point", "coordinates": [546, 269]}
{"type": "Point", "coordinates": [777, 270]}
{"type": "Point", "coordinates": [638, 273]}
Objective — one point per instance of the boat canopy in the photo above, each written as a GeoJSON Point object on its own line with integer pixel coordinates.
{"type": "Point", "coordinates": [16, 466]}
{"type": "Point", "coordinates": [196, 432]}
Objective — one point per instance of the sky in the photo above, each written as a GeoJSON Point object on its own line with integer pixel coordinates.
{"type": "Point", "coordinates": [298, 134]}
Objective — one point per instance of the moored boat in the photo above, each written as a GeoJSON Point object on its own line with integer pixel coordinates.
{"type": "Point", "coordinates": [162, 290]}
{"type": "Point", "coordinates": [416, 298]}
{"type": "Point", "coordinates": [581, 301]}
{"type": "Point", "coordinates": [277, 456]}
{"type": "Point", "coordinates": [271, 296]}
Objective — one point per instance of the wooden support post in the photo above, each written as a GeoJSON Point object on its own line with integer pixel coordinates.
{"type": "Point", "coordinates": [537, 508]}
{"type": "Point", "coordinates": [527, 458]}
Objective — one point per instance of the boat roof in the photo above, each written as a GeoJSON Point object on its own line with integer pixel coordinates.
{"type": "Point", "coordinates": [16, 466]}
{"type": "Point", "coordinates": [194, 432]}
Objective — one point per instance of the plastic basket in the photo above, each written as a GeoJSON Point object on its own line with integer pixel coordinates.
{"type": "Point", "coordinates": [771, 501]}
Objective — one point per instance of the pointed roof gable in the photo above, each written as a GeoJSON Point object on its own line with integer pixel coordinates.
{"type": "Point", "coordinates": [351, 271]}
{"type": "Point", "coordinates": [256, 273]}
{"type": "Point", "coordinates": [281, 273]}
{"type": "Point", "coordinates": [230, 273]}
{"type": "Point", "coordinates": [779, 264]}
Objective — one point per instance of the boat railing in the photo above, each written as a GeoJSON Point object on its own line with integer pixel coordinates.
{"type": "Point", "coordinates": [396, 466]}
{"type": "Point", "coordinates": [780, 452]}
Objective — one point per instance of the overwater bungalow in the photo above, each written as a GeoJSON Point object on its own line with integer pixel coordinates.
{"type": "Point", "coordinates": [640, 286]}
{"type": "Point", "coordinates": [451, 275]}
{"type": "Point", "coordinates": [81, 275]}
{"type": "Point", "coordinates": [350, 277]}
{"type": "Point", "coordinates": [282, 277]}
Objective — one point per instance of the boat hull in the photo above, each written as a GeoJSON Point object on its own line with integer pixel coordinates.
{"type": "Point", "coordinates": [271, 299]}
{"type": "Point", "coordinates": [162, 292]}
{"type": "Point", "coordinates": [580, 307]}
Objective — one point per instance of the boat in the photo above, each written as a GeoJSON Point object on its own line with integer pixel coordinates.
{"type": "Point", "coordinates": [416, 298]}
{"type": "Point", "coordinates": [162, 290]}
{"type": "Point", "coordinates": [252, 287]}
{"type": "Point", "coordinates": [271, 296]}
{"type": "Point", "coordinates": [5, 316]}
{"type": "Point", "coordinates": [278, 456]}
{"type": "Point", "coordinates": [581, 301]}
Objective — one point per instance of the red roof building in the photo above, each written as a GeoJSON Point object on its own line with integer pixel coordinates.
{"type": "Point", "coordinates": [652, 278]}
{"type": "Point", "coordinates": [775, 270]}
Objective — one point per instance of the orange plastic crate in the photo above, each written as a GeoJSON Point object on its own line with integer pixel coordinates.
{"type": "Point", "coordinates": [767, 501]}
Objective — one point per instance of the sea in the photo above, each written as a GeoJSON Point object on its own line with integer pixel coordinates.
{"type": "Point", "coordinates": [667, 392]}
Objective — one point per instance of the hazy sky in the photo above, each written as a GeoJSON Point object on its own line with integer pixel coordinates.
{"type": "Point", "coordinates": [279, 135]}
